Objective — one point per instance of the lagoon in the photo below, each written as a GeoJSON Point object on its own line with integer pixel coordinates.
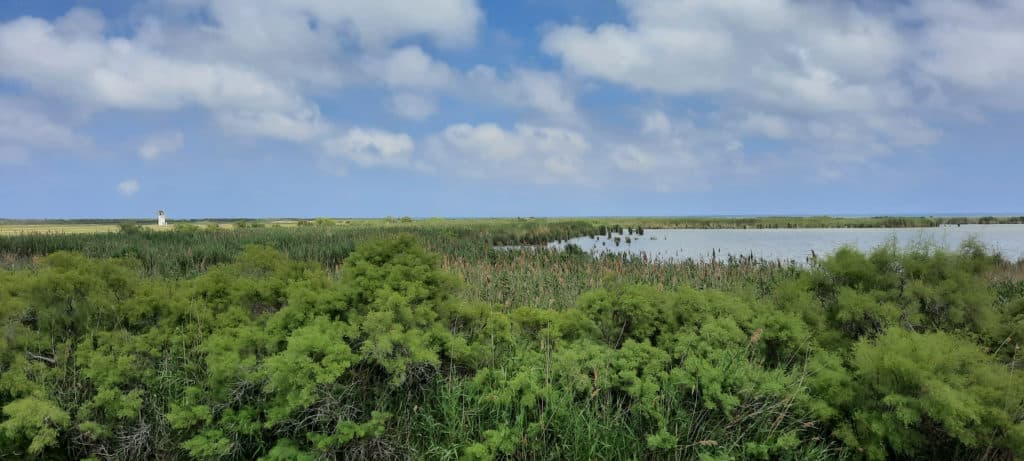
{"type": "Point", "coordinates": [794, 244]}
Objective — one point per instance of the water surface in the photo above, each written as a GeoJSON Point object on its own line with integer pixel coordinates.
{"type": "Point", "coordinates": [795, 244]}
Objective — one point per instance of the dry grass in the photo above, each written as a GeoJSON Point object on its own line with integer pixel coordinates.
{"type": "Point", "coordinates": [18, 229]}
{"type": "Point", "coordinates": [21, 229]}
{"type": "Point", "coordinates": [1012, 272]}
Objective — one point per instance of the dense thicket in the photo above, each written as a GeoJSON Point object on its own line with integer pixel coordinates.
{"type": "Point", "coordinates": [887, 354]}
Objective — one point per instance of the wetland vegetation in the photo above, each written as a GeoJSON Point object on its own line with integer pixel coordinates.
{"type": "Point", "coordinates": [398, 339]}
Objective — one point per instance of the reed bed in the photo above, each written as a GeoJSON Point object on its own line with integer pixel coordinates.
{"type": "Point", "coordinates": [502, 261]}
{"type": "Point", "coordinates": [544, 277]}
{"type": "Point", "coordinates": [526, 274]}
{"type": "Point", "coordinates": [224, 348]}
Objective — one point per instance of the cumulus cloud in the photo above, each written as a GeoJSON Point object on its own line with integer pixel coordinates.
{"type": "Point", "coordinates": [413, 106]}
{"type": "Point", "coordinates": [808, 55]}
{"type": "Point", "coordinates": [128, 187]}
{"type": "Point", "coordinates": [416, 77]}
{"type": "Point", "coordinates": [21, 124]}
{"type": "Point", "coordinates": [537, 153]}
{"type": "Point", "coordinates": [767, 125]}
{"type": "Point", "coordinates": [834, 82]}
{"type": "Point", "coordinates": [78, 62]}
{"type": "Point", "coordinates": [824, 83]}
{"type": "Point", "coordinates": [372, 148]}
{"type": "Point", "coordinates": [373, 23]}
{"type": "Point", "coordinates": [301, 125]}
{"type": "Point", "coordinates": [252, 69]}
{"type": "Point", "coordinates": [656, 122]}
{"type": "Point", "coordinates": [409, 67]}
{"type": "Point", "coordinates": [160, 144]}
{"type": "Point", "coordinates": [633, 158]}
{"type": "Point", "coordinates": [545, 92]}
{"type": "Point", "coordinates": [24, 129]}
{"type": "Point", "coordinates": [671, 154]}
{"type": "Point", "coordinates": [255, 71]}
{"type": "Point", "coordinates": [976, 47]}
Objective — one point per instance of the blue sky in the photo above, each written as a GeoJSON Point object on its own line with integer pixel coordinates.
{"type": "Point", "coordinates": [234, 108]}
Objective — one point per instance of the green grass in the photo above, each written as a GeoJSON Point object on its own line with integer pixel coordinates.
{"type": "Point", "coordinates": [538, 276]}
{"type": "Point", "coordinates": [396, 339]}
{"type": "Point", "coordinates": [14, 227]}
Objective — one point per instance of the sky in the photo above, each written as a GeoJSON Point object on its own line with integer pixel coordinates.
{"type": "Point", "coordinates": [460, 108]}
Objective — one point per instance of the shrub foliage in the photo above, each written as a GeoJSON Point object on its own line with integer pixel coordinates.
{"type": "Point", "coordinates": [889, 354]}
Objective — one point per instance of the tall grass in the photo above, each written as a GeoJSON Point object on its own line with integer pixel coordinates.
{"type": "Point", "coordinates": [380, 356]}
{"type": "Point", "coordinates": [518, 276]}
{"type": "Point", "coordinates": [536, 276]}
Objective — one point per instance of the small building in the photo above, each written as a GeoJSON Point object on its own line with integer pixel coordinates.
{"type": "Point", "coordinates": [161, 219]}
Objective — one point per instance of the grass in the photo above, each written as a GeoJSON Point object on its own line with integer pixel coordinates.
{"type": "Point", "coordinates": [549, 278]}
{"type": "Point", "coordinates": [17, 227]}
{"type": "Point", "coordinates": [486, 372]}
{"type": "Point", "coordinates": [539, 276]}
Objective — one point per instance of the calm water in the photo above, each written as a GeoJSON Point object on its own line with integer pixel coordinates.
{"type": "Point", "coordinates": [796, 244]}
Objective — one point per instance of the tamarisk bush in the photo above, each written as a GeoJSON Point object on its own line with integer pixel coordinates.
{"type": "Point", "coordinates": [883, 355]}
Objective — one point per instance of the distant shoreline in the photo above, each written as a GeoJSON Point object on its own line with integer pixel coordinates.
{"type": "Point", "coordinates": [772, 217]}
{"type": "Point", "coordinates": [86, 226]}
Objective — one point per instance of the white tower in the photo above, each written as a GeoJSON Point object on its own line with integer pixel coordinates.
{"type": "Point", "coordinates": [161, 219]}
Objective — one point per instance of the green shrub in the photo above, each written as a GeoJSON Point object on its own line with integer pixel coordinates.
{"type": "Point", "coordinates": [892, 354]}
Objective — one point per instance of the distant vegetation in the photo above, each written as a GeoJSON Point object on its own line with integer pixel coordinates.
{"type": "Point", "coordinates": [419, 340]}
{"type": "Point", "coordinates": [649, 222]}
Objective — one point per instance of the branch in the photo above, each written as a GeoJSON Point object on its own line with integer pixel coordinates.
{"type": "Point", "coordinates": [41, 357]}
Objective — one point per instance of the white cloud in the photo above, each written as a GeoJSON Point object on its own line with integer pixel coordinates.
{"type": "Point", "coordinates": [79, 63]}
{"type": "Point", "coordinates": [808, 57]}
{"type": "Point", "coordinates": [24, 129]}
{"type": "Point", "coordinates": [839, 82]}
{"type": "Point", "coordinates": [768, 125]}
{"type": "Point", "coordinates": [292, 24]}
{"type": "Point", "coordinates": [124, 74]}
{"type": "Point", "coordinates": [488, 141]}
{"type": "Point", "coordinates": [20, 124]}
{"type": "Point", "coordinates": [537, 153]}
{"type": "Point", "coordinates": [545, 92]}
{"type": "Point", "coordinates": [812, 56]}
{"type": "Point", "coordinates": [372, 148]}
{"type": "Point", "coordinates": [413, 106]}
{"type": "Point", "coordinates": [418, 77]}
{"type": "Point", "coordinates": [669, 166]}
{"type": "Point", "coordinates": [632, 158]}
{"type": "Point", "coordinates": [256, 70]}
{"type": "Point", "coordinates": [302, 124]}
{"type": "Point", "coordinates": [160, 144]}
{"type": "Point", "coordinates": [378, 22]}
{"type": "Point", "coordinates": [666, 154]}
{"type": "Point", "coordinates": [81, 23]}
{"type": "Point", "coordinates": [128, 187]}
{"type": "Point", "coordinates": [409, 67]}
{"type": "Point", "coordinates": [656, 122]}
{"type": "Point", "coordinates": [252, 68]}
{"type": "Point", "coordinates": [902, 131]}
{"type": "Point", "coordinates": [322, 43]}
{"type": "Point", "coordinates": [977, 47]}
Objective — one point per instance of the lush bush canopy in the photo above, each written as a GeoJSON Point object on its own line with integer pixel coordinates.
{"type": "Point", "coordinates": [883, 355]}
